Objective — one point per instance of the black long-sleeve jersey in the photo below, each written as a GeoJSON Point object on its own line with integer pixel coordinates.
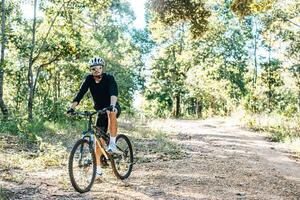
{"type": "Point", "coordinates": [101, 92]}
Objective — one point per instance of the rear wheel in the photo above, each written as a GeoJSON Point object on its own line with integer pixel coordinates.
{"type": "Point", "coordinates": [82, 166]}
{"type": "Point", "coordinates": [122, 161]}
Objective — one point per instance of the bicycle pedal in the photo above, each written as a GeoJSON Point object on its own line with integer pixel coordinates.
{"type": "Point", "coordinates": [104, 164]}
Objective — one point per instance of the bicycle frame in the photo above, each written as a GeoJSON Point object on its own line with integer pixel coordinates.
{"type": "Point", "coordinates": [93, 140]}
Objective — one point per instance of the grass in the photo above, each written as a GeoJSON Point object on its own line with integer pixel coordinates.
{"type": "Point", "coordinates": [38, 145]}
{"type": "Point", "coordinates": [295, 146]}
{"type": "Point", "coordinates": [53, 142]}
{"type": "Point", "coordinates": [3, 194]}
{"type": "Point", "coordinates": [46, 145]}
{"type": "Point", "coordinates": [279, 128]}
{"type": "Point", "coordinates": [33, 161]}
{"type": "Point", "coordinates": [64, 181]}
{"type": "Point", "coordinates": [12, 176]}
{"type": "Point", "coordinates": [167, 147]}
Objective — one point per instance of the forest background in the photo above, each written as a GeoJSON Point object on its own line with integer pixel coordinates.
{"type": "Point", "coordinates": [192, 60]}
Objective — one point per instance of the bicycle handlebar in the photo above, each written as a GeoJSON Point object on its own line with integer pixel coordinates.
{"type": "Point", "coordinates": [87, 113]}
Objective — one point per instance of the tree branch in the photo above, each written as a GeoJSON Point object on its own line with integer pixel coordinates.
{"type": "Point", "coordinates": [292, 22]}
{"type": "Point", "coordinates": [48, 32]}
{"type": "Point", "coordinates": [286, 19]}
{"type": "Point", "coordinates": [55, 58]}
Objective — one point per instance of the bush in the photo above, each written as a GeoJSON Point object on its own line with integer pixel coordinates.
{"type": "Point", "coordinates": [9, 126]}
{"type": "Point", "coordinates": [280, 127]}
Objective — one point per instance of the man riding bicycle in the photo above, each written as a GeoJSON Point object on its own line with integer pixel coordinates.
{"type": "Point", "coordinates": [104, 90]}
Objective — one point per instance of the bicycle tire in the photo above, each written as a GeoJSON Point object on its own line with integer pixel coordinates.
{"type": "Point", "coordinates": [76, 186]}
{"type": "Point", "coordinates": [129, 154]}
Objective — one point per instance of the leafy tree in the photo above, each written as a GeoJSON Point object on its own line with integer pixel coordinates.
{"type": "Point", "coordinates": [50, 45]}
{"type": "Point", "coordinates": [177, 11]}
{"type": "Point", "coordinates": [271, 78]}
{"type": "Point", "coordinates": [250, 7]}
{"type": "Point", "coordinates": [112, 38]}
{"type": "Point", "coordinates": [170, 66]}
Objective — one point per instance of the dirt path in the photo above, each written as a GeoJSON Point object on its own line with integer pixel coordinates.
{"type": "Point", "coordinates": [222, 161]}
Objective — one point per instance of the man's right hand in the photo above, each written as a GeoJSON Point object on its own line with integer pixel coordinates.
{"type": "Point", "coordinates": [70, 111]}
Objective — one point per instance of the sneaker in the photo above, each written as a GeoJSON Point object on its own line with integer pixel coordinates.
{"type": "Point", "coordinates": [99, 171]}
{"type": "Point", "coordinates": [103, 162]}
{"type": "Point", "coordinates": [112, 149]}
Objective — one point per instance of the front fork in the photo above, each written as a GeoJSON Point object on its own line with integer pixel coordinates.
{"type": "Point", "coordinates": [92, 144]}
{"type": "Point", "coordinates": [87, 136]}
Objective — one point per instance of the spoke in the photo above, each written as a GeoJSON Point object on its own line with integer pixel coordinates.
{"type": "Point", "coordinates": [120, 149]}
{"type": "Point", "coordinates": [83, 171]}
{"type": "Point", "coordinates": [122, 162]}
{"type": "Point", "coordinates": [126, 149]}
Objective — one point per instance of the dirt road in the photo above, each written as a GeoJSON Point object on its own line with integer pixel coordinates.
{"type": "Point", "coordinates": [222, 161]}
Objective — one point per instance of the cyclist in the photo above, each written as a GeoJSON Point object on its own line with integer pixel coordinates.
{"type": "Point", "coordinates": [104, 90]}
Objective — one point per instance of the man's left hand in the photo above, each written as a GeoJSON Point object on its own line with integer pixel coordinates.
{"type": "Point", "coordinates": [113, 108]}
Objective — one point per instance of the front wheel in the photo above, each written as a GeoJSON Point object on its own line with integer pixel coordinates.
{"type": "Point", "coordinates": [82, 166]}
{"type": "Point", "coordinates": [122, 161]}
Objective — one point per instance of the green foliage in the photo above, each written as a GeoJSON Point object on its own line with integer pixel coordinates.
{"type": "Point", "coordinates": [249, 7]}
{"type": "Point", "coordinates": [67, 37]}
{"type": "Point", "coordinates": [194, 59]}
{"type": "Point", "coordinates": [212, 96]}
{"type": "Point", "coordinates": [166, 85]}
{"type": "Point", "coordinates": [260, 100]}
{"type": "Point", "coordinates": [32, 133]}
{"type": "Point", "coordinates": [4, 193]}
{"type": "Point", "coordinates": [192, 12]}
{"type": "Point", "coordinates": [271, 94]}
{"type": "Point", "coordinates": [9, 127]}
{"type": "Point", "coordinates": [207, 76]}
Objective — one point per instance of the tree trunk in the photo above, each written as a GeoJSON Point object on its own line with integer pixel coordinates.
{"type": "Point", "coordinates": [32, 81]}
{"type": "Point", "coordinates": [2, 63]}
{"type": "Point", "coordinates": [298, 96]}
{"type": "Point", "coordinates": [176, 106]}
{"type": "Point", "coordinates": [299, 99]}
{"type": "Point", "coordinates": [19, 85]}
{"type": "Point", "coordinates": [255, 56]}
{"type": "Point", "coordinates": [198, 108]}
{"type": "Point", "coordinates": [30, 73]}
{"type": "Point", "coordinates": [270, 93]}
{"type": "Point", "coordinates": [58, 85]}
{"type": "Point", "coordinates": [55, 87]}
{"type": "Point", "coordinates": [55, 99]}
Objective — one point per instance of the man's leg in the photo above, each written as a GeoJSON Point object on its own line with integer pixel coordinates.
{"type": "Point", "coordinates": [113, 128]}
{"type": "Point", "coordinates": [102, 124]}
{"type": "Point", "coordinates": [98, 154]}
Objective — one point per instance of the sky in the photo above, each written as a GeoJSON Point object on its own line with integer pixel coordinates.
{"type": "Point", "coordinates": [139, 10]}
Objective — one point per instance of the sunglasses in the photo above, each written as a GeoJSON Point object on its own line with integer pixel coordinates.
{"type": "Point", "coordinates": [96, 67]}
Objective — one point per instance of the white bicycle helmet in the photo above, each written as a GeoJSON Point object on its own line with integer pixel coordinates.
{"type": "Point", "coordinates": [97, 61]}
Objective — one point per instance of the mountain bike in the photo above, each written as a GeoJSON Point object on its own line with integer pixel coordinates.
{"type": "Point", "coordinates": [82, 159]}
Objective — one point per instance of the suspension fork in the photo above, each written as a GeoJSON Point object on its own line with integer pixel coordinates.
{"type": "Point", "coordinates": [90, 139]}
